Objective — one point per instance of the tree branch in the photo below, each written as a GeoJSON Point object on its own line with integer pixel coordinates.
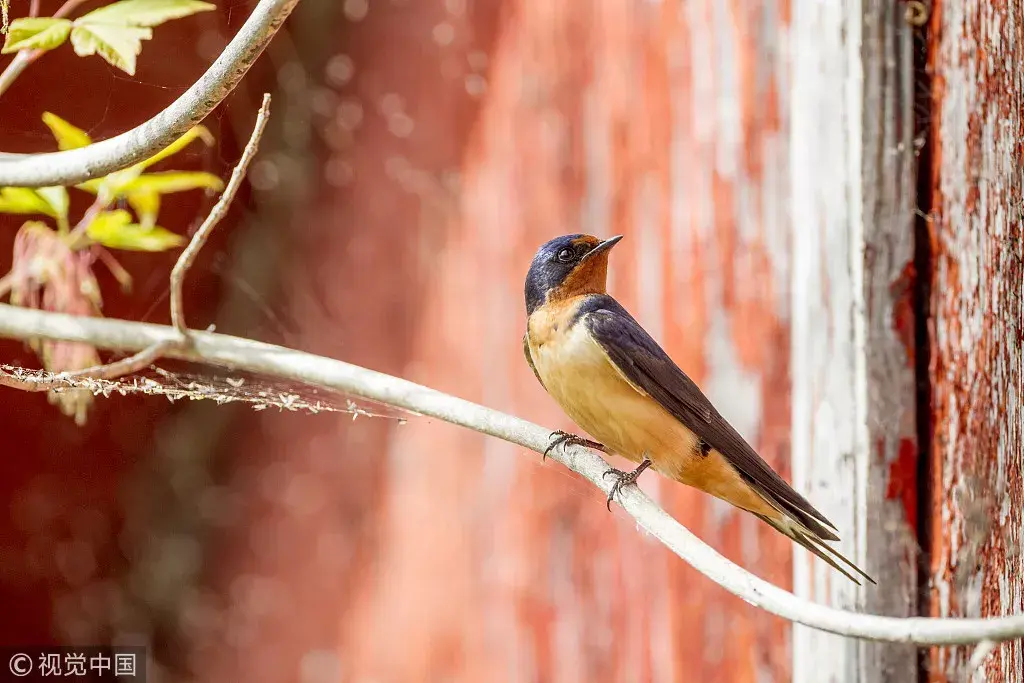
{"type": "Point", "coordinates": [77, 165]}
{"type": "Point", "coordinates": [188, 256]}
{"type": "Point", "coordinates": [34, 381]}
{"type": "Point", "coordinates": [276, 361]}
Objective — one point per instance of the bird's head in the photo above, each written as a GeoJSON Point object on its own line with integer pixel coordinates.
{"type": "Point", "coordinates": [568, 266]}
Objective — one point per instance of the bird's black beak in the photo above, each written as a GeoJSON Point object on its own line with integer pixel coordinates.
{"type": "Point", "coordinates": [602, 246]}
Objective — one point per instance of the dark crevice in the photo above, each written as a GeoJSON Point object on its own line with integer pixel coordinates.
{"type": "Point", "coordinates": [924, 111]}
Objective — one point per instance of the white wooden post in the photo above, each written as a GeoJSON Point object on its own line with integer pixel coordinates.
{"type": "Point", "coordinates": [853, 191]}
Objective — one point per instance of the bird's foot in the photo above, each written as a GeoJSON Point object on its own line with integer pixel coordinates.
{"type": "Point", "coordinates": [563, 439]}
{"type": "Point", "coordinates": [624, 479]}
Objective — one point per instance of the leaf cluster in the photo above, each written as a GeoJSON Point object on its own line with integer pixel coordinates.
{"type": "Point", "coordinates": [114, 32]}
{"type": "Point", "coordinates": [114, 228]}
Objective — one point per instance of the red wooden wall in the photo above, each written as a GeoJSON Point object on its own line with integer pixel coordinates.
{"type": "Point", "coordinates": [478, 136]}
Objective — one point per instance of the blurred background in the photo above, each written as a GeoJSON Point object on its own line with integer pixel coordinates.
{"type": "Point", "coordinates": [418, 152]}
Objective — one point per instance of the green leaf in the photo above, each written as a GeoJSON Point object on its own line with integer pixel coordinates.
{"type": "Point", "coordinates": [36, 33]}
{"type": "Point", "coordinates": [116, 31]}
{"type": "Point", "coordinates": [134, 237]}
{"type": "Point", "coordinates": [68, 136]}
{"type": "Point", "coordinates": [196, 132]}
{"type": "Point", "coordinates": [119, 45]}
{"type": "Point", "coordinates": [115, 230]}
{"type": "Point", "coordinates": [109, 221]}
{"type": "Point", "coordinates": [92, 186]}
{"type": "Point", "coordinates": [24, 200]}
{"type": "Point", "coordinates": [146, 206]}
{"type": "Point", "coordinates": [111, 186]}
{"type": "Point", "coordinates": [116, 182]}
{"type": "Point", "coordinates": [173, 181]}
{"type": "Point", "coordinates": [57, 198]}
{"type": "Point", "coordinates": [145, 12]}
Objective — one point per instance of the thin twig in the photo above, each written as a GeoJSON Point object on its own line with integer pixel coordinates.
{"type": "Point", "coordinates": [17, 65]}
{"type": "Point", "coordinates": [114, 370]}
{"type": "Point", "coordinates": [74, 166]}
{"type": "Point", "coordinates": [95, 209]}
{"type": "Point", "coordinates": [33, 8]}
{"type": "Point", "coordinates": [978, 657]}
{"type": "Point", "coordinates": [280, 362]}
{"type": "Point", "coordinates": [67, 8]}
{"type": "Point", "coordinates": [188, 256]}
{"type": "Point", "coordinates": [122, 276]}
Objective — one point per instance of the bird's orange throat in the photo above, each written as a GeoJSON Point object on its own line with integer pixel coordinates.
{"type": "Point", "coordinates": [589, 277]}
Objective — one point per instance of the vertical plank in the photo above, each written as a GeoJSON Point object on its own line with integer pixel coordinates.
{"type": "Point", "coordinates": [978, 325]}
{"type": "Point", "coordinates": [854, 409]}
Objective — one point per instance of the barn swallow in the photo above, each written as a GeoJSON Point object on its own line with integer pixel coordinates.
{"type": "Point", "coordinates": [619, 386]}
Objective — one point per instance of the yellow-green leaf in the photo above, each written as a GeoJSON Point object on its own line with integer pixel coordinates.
{"type": "Point", "coordinates": [57, 198]}
{"type": "Point", "coordinates": [173, 181]}
{"type": "Point", "coordinates": [145, 12]}
{"type": "Point", "coordinates": [116, 182]}
{"type": "Point", "coordinates": [24, 200]}
{"type": "Point", "coordinates": [118, 44]}
{"type": "Point", "coordinates": [134, 237]}
{"type": "Point", "coordinates": [91, 186]}
{"type": "Point", "coordinates": [110, 186]}
{"type": "Point", "coordinates": [36, 33]}
{"type": "Point", "coordinates": [196, 132]}
{"type": "Point", "coordinates": [115, 230]}
{"type": "Point", "coordinates": [109, 221]}
{"type": "Point", "coordinates": [146, 206]}
{"type": "Point", "coordinates": [67, 136]}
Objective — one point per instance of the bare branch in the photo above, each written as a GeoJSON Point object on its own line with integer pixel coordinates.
{"type": "Point", "coordinates": [125, 366]}
{"type": "Point", "coordinates": [978, 657]}
{"type": "Point", "coordinates": [16, 66]}
{"type": "Point", "coordinates": [77, 165]}
{"type": "Point", "coordinates": [276, 361]}
{"type": "Point", "coordinates": [188, 256]}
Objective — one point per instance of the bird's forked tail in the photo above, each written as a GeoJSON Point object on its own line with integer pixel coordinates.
{"type": "Point", "coordinates": [815, 544]}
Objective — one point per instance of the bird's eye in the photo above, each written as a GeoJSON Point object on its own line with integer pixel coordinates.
{"type": "Point", "coordinates": [565, 255]}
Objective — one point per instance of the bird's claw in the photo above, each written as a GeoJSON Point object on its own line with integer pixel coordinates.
{"type": "Point", "coordinates": [563, 439]}
{"type": "Point", "coordinates": [624, 479]}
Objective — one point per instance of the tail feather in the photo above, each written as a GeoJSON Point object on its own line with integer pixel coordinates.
{"type": "Point", "coordinates": [816, 545]}
{"type": "Point", "coordinates": [787, 500]}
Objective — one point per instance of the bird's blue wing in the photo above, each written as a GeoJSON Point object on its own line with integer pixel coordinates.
{"type": "Point", "coordinates": [647, 367]}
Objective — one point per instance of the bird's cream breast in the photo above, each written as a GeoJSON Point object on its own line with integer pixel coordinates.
{"type": "Point", "coordinates": [578, 374]}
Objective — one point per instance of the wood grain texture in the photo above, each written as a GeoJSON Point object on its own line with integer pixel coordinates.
{"type": "Point", "coordinates": [854, 428]}
{"type": "Point", "coordinates": [978, 325]}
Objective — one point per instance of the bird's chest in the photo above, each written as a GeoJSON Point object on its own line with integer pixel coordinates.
{"type": "Point", "coordinates": [569, 362]}
{"type": "Point", "coordinates": [578, 375]}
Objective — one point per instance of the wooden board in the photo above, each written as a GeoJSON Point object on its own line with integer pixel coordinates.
{"type": "Point", "coordinates": [854, 417]}
{"type": "Point", "coordinates": [977, 329]}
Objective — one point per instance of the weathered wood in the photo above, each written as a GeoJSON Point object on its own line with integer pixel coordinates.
{"type": "Point", "coordinates": [977, 331]}
{"type": "Point", "coordinates": [854, 417]}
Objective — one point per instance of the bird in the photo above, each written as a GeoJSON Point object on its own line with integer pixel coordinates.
{"type": "Point", "coordinates": [621, 388]}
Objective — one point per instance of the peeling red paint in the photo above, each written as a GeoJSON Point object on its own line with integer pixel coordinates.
{"type": "Point", "coordinates": [902, 484]}
{"type": "Point", "coordinates": [977, 367]}
{"type": "Point", "coordinates": [903, 314]}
